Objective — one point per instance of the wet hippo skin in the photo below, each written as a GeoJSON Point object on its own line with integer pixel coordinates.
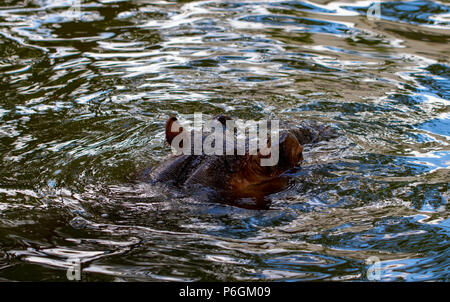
{"type": "Point", "coordinates": [238, 180]}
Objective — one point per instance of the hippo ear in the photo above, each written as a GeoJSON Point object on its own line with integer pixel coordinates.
{"type": "Point", "coordinates": [173, 128]}
{"type": "Point", "coordinates": [223, 119]}
{"type": "Point", "coordinates": [291, 151]}
{"type": "Point", "coordinates": [226, 121]}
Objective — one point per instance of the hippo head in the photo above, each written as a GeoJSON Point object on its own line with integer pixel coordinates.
{"type": "Point", "coordinates": [236, 176]}
{"type": "Point", "coordinates": [254, 180]}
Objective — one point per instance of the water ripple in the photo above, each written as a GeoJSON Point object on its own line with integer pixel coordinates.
{"type": "Point", "coordinates": [84, 94]}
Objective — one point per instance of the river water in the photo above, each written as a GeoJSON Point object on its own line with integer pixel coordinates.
{"type": "Point", "coordinates": [86, 88]}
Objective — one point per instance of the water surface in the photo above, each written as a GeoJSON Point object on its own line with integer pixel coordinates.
{"type": "Point", "coordinates": [84, 94]}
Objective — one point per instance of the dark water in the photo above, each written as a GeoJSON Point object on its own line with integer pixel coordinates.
{"type": "Point", "coordinates": [85, 93]}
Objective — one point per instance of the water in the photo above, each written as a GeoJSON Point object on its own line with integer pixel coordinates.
{"type": "Point", "coordinates": [85, 93]}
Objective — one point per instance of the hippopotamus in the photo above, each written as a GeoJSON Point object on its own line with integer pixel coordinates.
{"type": "Point", "coordinates": [235, 179]}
